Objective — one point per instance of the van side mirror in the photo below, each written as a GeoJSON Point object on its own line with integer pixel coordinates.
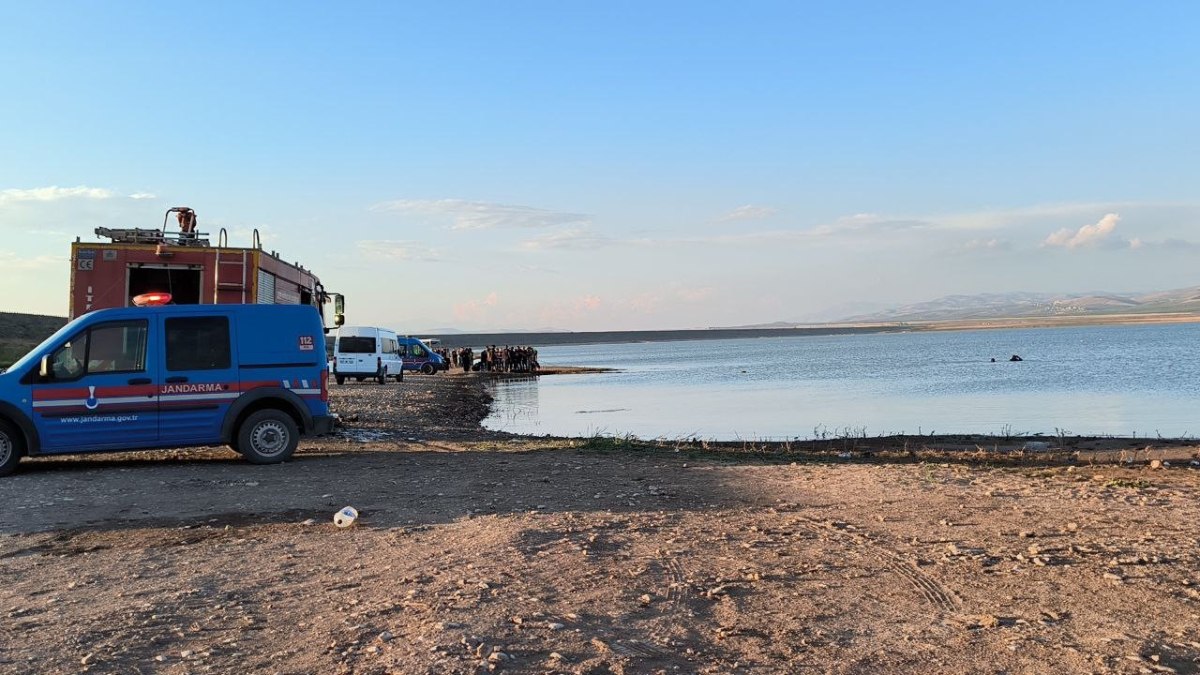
{"type": "Point", "coordinates": [339, 309]}
{"type": "Point", "coordinates": [44, 367]}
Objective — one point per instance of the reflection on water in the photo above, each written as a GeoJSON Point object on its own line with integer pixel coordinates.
{"type": "Point", "coordinates": [1121, 380]}
{"type": "Point", "coordinates": [515, 405]}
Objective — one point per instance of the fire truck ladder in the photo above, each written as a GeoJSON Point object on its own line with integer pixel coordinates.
{"type": "Point", "coordinates": [234, 267]}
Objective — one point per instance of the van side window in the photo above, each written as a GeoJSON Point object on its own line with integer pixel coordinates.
{"type": "Point", "coordinates": [198, 343]}
{"type": "Point", "coordinates": [118, 347]}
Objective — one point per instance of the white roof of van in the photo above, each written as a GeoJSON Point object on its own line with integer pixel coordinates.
{"type": "Point", "coordinates": [363, 330]}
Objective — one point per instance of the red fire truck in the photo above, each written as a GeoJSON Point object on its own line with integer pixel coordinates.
{"type": "Point", "coordinates": [186, 265]}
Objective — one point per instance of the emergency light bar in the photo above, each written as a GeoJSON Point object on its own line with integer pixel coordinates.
{"type": "Point", "coordinates": [151, 299]}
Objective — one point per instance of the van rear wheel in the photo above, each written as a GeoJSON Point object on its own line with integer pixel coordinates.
{"type": "Point", "coordinates": [341, 379]}
{"type": "Point", "coordinates": [268, 436]}
{"type": "Point", "coordinates": [381, 376]}
{"type": "Point", "coordinates": [12, 446]}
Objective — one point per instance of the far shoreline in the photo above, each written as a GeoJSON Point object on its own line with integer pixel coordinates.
{"type": "Point", "coordinates": [625, 337]}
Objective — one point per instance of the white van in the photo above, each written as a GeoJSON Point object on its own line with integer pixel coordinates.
{"type": "Point", "coordinates": [367, 352]}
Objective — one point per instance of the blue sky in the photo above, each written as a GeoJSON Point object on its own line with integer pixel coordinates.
{"type": "Point", "coordinates": [616, 165]}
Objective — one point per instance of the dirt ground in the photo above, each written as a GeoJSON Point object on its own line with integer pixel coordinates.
{"type": "Point", "coordinates": [477, 552]}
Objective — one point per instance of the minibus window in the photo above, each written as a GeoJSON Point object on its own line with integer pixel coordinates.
{"type": "Point", "coordinates": [356, 345]}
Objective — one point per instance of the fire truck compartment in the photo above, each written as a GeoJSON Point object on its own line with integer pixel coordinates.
{"type": "Point", "coordinates": [181, 281]}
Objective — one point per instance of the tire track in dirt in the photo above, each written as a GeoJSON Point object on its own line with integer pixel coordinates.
{"type": "Point", "coordinates": [664, 576]}
{"type": "Point", "coordinates": [934, 593]}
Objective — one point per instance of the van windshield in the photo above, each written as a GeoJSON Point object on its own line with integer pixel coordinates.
{"type": "Point", "coordinates": [356, 345]}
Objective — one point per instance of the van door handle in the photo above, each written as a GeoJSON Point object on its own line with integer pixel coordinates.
{"type": "Point", "coordinates": [139, 380]}
{"type": "Point", "coordinates": [176, 379]}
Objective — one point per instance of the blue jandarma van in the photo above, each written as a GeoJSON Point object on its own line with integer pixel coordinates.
{"type": "Point", "coordinates": [419, 356]}
{"type": "Point", "coordinates": [250, 376]}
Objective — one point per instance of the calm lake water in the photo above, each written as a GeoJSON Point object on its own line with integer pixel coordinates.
{"type": "Point", "coordinates": [1106, 380]}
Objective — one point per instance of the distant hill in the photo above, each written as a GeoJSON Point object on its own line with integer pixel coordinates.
{"type": "Point", "coordinates": [1039, 305]}
{"type": "Point", "coordinates": [21, 332]}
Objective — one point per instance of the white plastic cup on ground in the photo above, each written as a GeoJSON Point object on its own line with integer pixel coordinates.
{"type": "Point", "coordinates": [345, 517]}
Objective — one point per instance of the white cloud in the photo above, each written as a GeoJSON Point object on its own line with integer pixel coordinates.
{"type": "Point", "coordinates": [241, 235]}
{"type": "Point", "coordinates": [571, 239]}
{"type": "Point", "coordinates": [11, 262]}
{"type": "Point", "coordinates": [1087, 235]}
{"type": "Point", "coordinates": [748, 212]}
{"type": "Point", "coordinates": [588, 303]}
{"type": "Point", "coordinates": [987, 245]}
{"type": "Point", "coordinates": [468, 215]}
{"type": "Point", "coordinates": [526, 268]}
{"type": "Point", "coordinates": [143, 195]}
{"type": "Point", "coordinates": [674, 295]}
{"type": "Point", "coordinates": [872, 229]}
{"type": "Point", "coordinates": [379, 249]}
{"type": "Point", "coordinates": [694, 294]}
{"type": "Point", "coordinates": [477, 309]}
{"type": "Point", "coordinates": [53, 194]}
{"type": "Point", "coordinates": [863, 226]}
{"type": "Point", "coordinates": [989, 219]}
{"type": "Point", "coordinates": [1171, 245]}
{"type": "Point", "coordinates": [51, 211]}
{"type": "Point", "coordinates": [870, 222]}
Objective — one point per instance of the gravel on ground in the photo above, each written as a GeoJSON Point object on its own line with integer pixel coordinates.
{"type": "Point", "coordinates": [477, 551]}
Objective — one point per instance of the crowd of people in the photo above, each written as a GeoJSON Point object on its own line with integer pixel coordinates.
{"type": "Point", "coordinates": [493, 359]}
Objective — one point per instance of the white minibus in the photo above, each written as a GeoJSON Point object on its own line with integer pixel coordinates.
{"type": "Point", "coordinates": [367, 352]}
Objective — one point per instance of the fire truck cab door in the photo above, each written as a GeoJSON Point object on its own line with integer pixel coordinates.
{"type": "Point", "coordinates": [199, 378]}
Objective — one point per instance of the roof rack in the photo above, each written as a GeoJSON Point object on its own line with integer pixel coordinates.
{"type": "Point", "coordinates": [137, 235]}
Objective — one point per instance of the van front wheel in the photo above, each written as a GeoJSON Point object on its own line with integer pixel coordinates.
{"type": "Point", "coordinates": [11, 448]}
{"type": "Point", "coordinates": [268, 436]}
{"type": "Point", "coordinates": [427, 369]}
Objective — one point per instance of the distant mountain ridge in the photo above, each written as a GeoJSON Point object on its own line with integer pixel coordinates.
{"type": "Point", "coordinates": [1038, 305]}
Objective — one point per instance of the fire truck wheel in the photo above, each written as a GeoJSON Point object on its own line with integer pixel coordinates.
{"type": "Point", "coordinates": [427, 369]}
{"type": "Point", "coordinates": [268, 436]}
{"type": "Point", "coordinates": [11, 448]}
{"type": "Point", "coordinates": [341, 379]}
